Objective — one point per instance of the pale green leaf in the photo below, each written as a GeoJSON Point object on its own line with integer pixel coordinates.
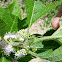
{"type": "Point", "coordinates": [56, 55]}
{"type": "Point", "coordinates": [58, 33]}
{"type": "Point", "coordinates": [36, 9]}
{"type": "Point", "coordinates": [7, 18]}
{"type": "Point", "coordinates": [37, 45]}
{"type": "Point", "coordinates": [15, 9]}
{"type": "Point", "coordinates": [43, 54]}
{"type": "Point", "coordinates": [6, 15]}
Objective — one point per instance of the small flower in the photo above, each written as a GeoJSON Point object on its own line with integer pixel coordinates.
{"type": "Point", "coordinates": [8, 49]}
{"type": "Point", "coordinates": [10, 36]}
{"type": "Point", "coordinates": [20, 53]}
{"type": "Point", "coordinates": [24, 52]}
{"type": "Point", "coordinates": [22, 33]}
{"type": "Point", "coordinates": [13, 36]}
{"type": "Point", "coordinates": [6, 37]}
{"type": "Point", "coordinates": [21, 38]}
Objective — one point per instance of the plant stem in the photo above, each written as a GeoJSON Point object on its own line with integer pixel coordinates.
{"type": "Point", "coordinates": [30, 20]}
{"type": "Point", "coordinates": [47, 38]}
{"type": "Point", "coordinates": [13, 24]}
{"type": "Point", "coordinates": [16, 44]}
{"type": "Point", "coordinates": [29, 26]}
{"type": "Point", "coordinates": [32, 53]}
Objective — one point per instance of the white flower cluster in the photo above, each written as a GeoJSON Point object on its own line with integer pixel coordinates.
{"type": "Point", "coordinates": [20, 53]}
{"type": "Point", "coordinates": [6, 36]}
{"type": "Point", "coordinates": [13, 36]}
{"type": "Point", "coordinates": [8, 49]}
{"type": "Point", "coordinates": [22, 33]}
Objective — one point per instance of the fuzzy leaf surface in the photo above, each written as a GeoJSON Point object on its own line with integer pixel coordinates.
{"type": "Point", "coordinates": [36, 9]}
{"type": "Point", "coordinates": [6, 17]}
{"type": "Point", "coordinates": [58, 33]}
{"type": "Point", "coordinates": [56, 55]}
{"type": "Point", "coordinates": [43, 54]}
{"type": "Point", "coordinates": [3, 28]}
{"type": "Point", "coordinates": [37, 45]}
{"type": "Point", "coordinates": [15, 9]}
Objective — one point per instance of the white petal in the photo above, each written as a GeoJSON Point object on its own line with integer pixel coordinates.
{"type": "Point", "coordinates": [18, 54]}
{"type": "Point", "coordinates": [10, 36]}
{"type": "Point", "coordinates": [8, 49]}
{"type": "Point", "coordinates": [6, 37]}
{"type": "Point", "coordinates": [20, 38]}
{"type": "Point", "coordinates": [13, 36]}
{"type": "Point", "coordinates": [23, 51]}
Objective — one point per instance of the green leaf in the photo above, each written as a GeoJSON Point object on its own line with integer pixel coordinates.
{"type": "Point", "coordinates": [3, 27]}
{"type": "Point", "coordinates": [15, 9]}
{"type": "Point", "coordinates": [56, 55]}
{"type": "Point", "coordinates": [7, 18]}
{"type": "Point", "coordinates": [3, 59]}
{"type": "Point", "coordinates": [57, 36]}
{"type": "Point", "coordinates": [58, 33]}
{"type": "Point", "coordinates": [30, 10]}
{"type": "Point", "coordinates": [37, 45]}
{"type": "Point", "coordinates": [43, 54]}
{"type": "Point", "coordinates": [36, 9]}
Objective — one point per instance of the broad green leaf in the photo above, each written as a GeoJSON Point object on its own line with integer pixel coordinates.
{"type": "Point", "coordinates": [37, 45]}
{"type": "Point", "coordinates": [3, 27]}
{"type": "Point", "coordinates": [43, 54]}
{"type": "Point", "coordinates": [57, 36]}
{"type": "Point", "coordinates": [36, 9]}
{"type": "Point", "coordinates": [30, 10]}
{"type": "Point", "coordinates": [58, 33]}
{"type": "Point", "coordinates": [3, 59]}
{"type": "Point", "coordinates": [15, 9]}
{"type": "Point", "coordinates": [56, 55]}
{"type": "Point", "coordinates": [7, 18]}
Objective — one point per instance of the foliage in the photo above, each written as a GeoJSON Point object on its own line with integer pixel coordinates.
{"type": "Point", "coordinates": [18, 45]}
{"type": "Point", "coordinates": [3, 59]}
